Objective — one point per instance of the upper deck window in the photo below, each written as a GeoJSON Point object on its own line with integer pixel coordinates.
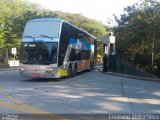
{"type": "Point", "coordinates": [38, 28]}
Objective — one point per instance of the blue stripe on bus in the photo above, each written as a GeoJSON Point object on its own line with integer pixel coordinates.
{"type": "Point", "coordinates": [72, 41]}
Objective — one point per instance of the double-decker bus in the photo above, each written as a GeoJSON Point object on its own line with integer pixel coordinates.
{"type": "Point", "coordinates": [53, 48]}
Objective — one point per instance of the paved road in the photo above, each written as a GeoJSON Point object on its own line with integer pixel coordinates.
{"type": "Point", "coordinates": [88, 93]}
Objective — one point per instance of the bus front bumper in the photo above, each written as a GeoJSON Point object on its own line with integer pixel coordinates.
{"type": "Point", "coordinates": [43, 74]}
{"type": "Point", "coordinates": [39, 74]}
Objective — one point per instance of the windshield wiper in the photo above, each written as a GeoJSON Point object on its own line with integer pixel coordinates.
{"type": "Point", "coordinates": [46, 36]}
{"type": "Point", "coordinates": [30, 37]}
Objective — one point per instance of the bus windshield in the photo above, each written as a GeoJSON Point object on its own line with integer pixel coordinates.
{"type": "Point", "coordinates": [36, 29]}
{"type": "Point", "coordinates": [41, 53]}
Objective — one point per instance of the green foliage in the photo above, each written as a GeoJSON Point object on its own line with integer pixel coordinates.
{"type": "Point", "coordinates": [91, 26]}
{"type": "Point", "coordinates": [138, 33]}
{"type": "Point", "coordinates": [12, 14]}
{"type": "Point", "coordinates": [15, 13]}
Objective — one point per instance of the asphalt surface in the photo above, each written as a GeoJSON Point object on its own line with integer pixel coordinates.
{"type": "Point", "coordinates": [87, 93]}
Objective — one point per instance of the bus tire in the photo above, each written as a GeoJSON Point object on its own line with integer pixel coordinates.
{"type": "Point", "coordinates": [69, 71]}
{"type": "Point", "coordinates": [75, 70]}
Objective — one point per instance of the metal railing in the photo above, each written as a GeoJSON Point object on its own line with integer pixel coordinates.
{"type": "Point", "coordinates": [138, 66]}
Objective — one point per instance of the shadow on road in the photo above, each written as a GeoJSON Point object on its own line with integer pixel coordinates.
{"type": "Point", "coordinates": [43, 80]}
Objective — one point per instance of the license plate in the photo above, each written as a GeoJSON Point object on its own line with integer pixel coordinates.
{"type": "Point", "coordinates": [35, 75]}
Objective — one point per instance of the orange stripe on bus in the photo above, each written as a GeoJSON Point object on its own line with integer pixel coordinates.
{"type": "Point", "coordinates": [84, 64]}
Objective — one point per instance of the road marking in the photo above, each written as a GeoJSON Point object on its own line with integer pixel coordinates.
{"type": "Point", "coordinates": [20, 106]}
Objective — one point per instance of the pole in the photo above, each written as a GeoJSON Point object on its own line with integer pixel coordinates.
{"type": "Point", "coordinates": [153, 40]}
{"type": "Point", "coordinates": [6, 60]}
{"type": "Point", "coordinates": [14, 59]}
{"type": "Point", "coordinates": [95, 51]}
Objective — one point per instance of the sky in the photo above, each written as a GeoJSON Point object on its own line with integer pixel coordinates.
{"type": "Point", "coordinates": [100, 10]}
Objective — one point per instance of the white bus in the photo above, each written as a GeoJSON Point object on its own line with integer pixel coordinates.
{"type": "Point", "coordinates": [53, 48]}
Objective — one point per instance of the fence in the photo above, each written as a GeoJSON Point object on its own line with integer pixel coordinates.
{"type": "Point", "coordinates": [140, 66]}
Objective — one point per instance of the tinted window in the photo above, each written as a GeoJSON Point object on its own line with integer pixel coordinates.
{"type": "Point", "coordinates": [73, 55]}
{"type": "Point", "coordinates": [39, 53]}
{"type": "Point", "coordinates": [67, 33]}
{"type": "Point", "coordinates": [85, 54]}
{"type": "Point", "coordinates": [79, 55]}
{"type": "Point", "coordinates": [38, 28]}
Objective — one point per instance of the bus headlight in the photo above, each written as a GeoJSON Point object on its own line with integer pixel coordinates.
{"type": "Point", "coordinates": [22, 69]}
{"type": "Point", "coordinates": [49, 70]}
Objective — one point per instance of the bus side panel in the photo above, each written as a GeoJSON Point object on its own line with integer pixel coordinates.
{"type": "Point", "coordinates": [76, 47]}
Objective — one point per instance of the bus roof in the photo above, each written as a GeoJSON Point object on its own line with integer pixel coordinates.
{"type": "Point", "coordinates": [46, 19]}
{"type": "Point", "coordinates": [58, 20]}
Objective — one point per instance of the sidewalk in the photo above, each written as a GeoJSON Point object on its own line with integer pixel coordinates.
{"type": "Point", "coordinates": [127, 75]}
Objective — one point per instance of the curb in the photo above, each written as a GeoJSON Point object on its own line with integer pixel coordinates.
{"type": "Point", "coordinates": [8, 69]}
{"type": "Point", "coordinates": [130, 76]}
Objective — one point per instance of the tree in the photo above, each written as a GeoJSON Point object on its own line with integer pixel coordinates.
{"type": "Point", "coordinates": [13, 16]}
{"type": "Point", "coordinates": [12, 21]}
{"type": "Point", "coordinates": [138, 33]}
{"type": "Point", "coordinates": [15, 13]}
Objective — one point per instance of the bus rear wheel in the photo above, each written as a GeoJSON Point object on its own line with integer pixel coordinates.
{"type": "Point", "coordinates": [69, 71]}
{"type": "Point", "coordinates": [75, 70]}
